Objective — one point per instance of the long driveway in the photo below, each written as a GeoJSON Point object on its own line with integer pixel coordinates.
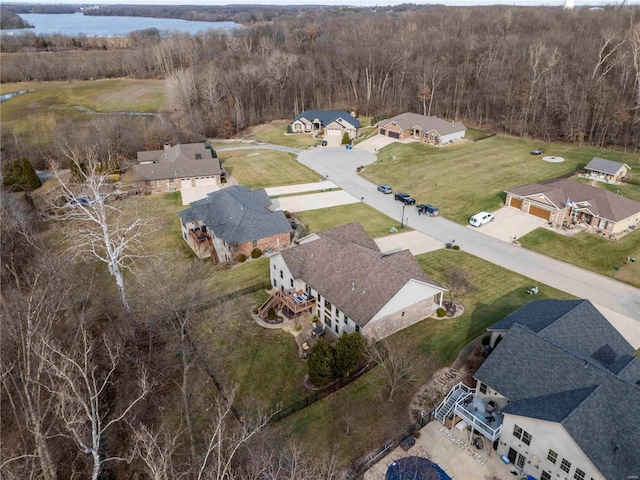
{"type": "Point", "coordinates": [339, 166]}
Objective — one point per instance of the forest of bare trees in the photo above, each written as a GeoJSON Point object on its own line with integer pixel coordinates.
{"type": "Point", "coordinates": [533, 72]}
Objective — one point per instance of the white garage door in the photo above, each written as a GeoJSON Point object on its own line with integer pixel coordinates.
{"type": "Point", "coordinates": [334, 131]}
{"type": "Point", "coordinates": [205, 181]}
{"type": "Point", "coordinates": [185, 183]}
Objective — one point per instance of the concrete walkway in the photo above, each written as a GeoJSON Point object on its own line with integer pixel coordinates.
{"type": "Point", "coordinates": [313, 201]}
{"type": "Point", "coordinates": [340, 167]}
{"type": "Point", "coordinates": [301, 188]}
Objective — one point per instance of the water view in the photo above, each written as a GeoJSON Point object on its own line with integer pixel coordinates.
{"type": "Point", "coordinates": [79, 24]}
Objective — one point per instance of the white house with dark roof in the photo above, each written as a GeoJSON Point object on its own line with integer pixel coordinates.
{"type": "Point", "coordinates": [432, 130]}
{"type": "Point", "coordinates": [559, 396]}
{"type": "Point", "coordinates": [333, 122]}
{"type": "Point", "coordinates": [353, 287]}
{"type": "Point", "coordinates": [187, 165]}
{"type": "Point", "coordinates": [606, 170]}
{"type": "Point", "coordinates": [234, 221]}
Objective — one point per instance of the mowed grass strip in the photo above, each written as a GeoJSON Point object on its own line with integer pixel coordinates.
{"type": "Point", "coordinates": [375, 223]}
{"type": "Point", "coordinates": [591, 252]}
{"type": "Point", "coordinates": [468, 177]}
{"type": "Point", "coordinates": [263, 365]}
{"type": "Point", "coordinates": [497, 292]}
{"type": "Point", "coordinates": [276, 133]}
{"type": "Point", "coordinates": [266, 168]}
{"type": "Point", "coordinates": [472, 134]}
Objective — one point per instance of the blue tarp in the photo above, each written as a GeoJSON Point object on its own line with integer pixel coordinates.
{"type": "Point", "coordinates": [415, 468]}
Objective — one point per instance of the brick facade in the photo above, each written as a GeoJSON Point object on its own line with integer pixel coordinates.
{"type": "Point", "coordinates": [171, 184]}
{"type": "Point", "coordinates": [274, 242]}
{"type": "Point", "coordinates": [409, 134]}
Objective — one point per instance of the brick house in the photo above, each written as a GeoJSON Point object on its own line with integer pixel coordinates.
{"type": "Point", "coordinates": [234, 221]}
{"type": "Point", "coordinates": [353, 287]}
{"type": "Point", "coordinates": [333, 122]}
{"type": "Point", "coordinates": [558, 397]}
{"type": "Point", "coordinates": [430, 130]}
{"type": "Point", "coordinates": [606, 170]}
{"type": "Point", "coordinates": [178, 167]}
{"type": "Point", "coordinates": [566, 202]}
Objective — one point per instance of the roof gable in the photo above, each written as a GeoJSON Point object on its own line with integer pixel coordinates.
{"type": "Point", "coordinates": [179, 161]}
{"type": "Point", "coordinates": [602, 165]}
{"type": "Point", "coordinates": [327, 116]}
{"type": "Point", "coordinates": [407, 121]}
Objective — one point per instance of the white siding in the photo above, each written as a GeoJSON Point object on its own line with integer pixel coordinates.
{"type": "Point", "coordinates": [412, 293]}
{"type": "Point", "coordinates": [277, 265]}
{"type": "Point", "coordinates": [452, 136]}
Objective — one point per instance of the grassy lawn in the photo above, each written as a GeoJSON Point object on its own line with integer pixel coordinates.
{"type": "Point", "coordinates": [264, 365]}
{"type": "Point", "coordinates": [465, 178]}
{"type": "Point", "coordinates": [266, 168]}
{"type": "Point", "coordinates": [497, 293]}
{"type": "Point", "coordinates": [250, 273]}
{"type": "Point", "coordinates": [62, 100]}
{"type": "Point", "coordinates": [475, 134]}
{"type": "Point", "coordinates": [276, 133]}
{"type": "Point", "coordinates": [375, 223]}
{"type": "Point", "coordinates": [590, 252]}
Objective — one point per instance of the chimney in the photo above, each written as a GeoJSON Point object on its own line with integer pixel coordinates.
{"type": "Point", "coordinates": [167, 145]}
{"type": "Point", "coordinates": [353, 286]}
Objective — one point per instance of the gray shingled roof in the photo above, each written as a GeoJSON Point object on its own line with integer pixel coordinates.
{"type": "Point", "coordinates": [179, 161]}
{"type": "Point", "coordinates": [537, 314]}
{"type": "Point", "coordinates": [237, 214]}
{"type": "Point", "coordinates": [603, 203]}
{"type": "Point", "coordinates": [328, 116]}
{"type": "Point", "coordinates": [547, 375]}
{"type": "Point", "coordinates": [603, 165]}
{"type": "Point", "coordinates": [409, 120]}
{"type": "Point", "coordinates": [346, 254]}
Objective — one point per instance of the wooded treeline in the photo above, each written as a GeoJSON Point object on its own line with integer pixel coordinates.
{"type": "Point", "coordinates": [532, 72]}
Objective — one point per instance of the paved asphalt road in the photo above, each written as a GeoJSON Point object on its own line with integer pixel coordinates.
{"type": "Point", "coordinates": [340, 168]}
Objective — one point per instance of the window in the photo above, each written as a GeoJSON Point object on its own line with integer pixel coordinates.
{"type": "Point", "coordinates": [579, 475]}
{"type": "Point", "coordinates": [327, 320]}
{"type": "Point", "coordinates": [327, 305]}
{"type": "Point", "coordinates": [255, 244]}
{"type": "Point", "coordinates": [275, 284]}
{"type": "Point", "coordinates": [281, 275]}
{"type": "Point", "coordinates": [292, 283]}
{"type": "Point", "coordinates": [483, 388]}
{"type": "Point", "coordinates": [552, 456]}
{"type": "Point", "coordinates": [147, 183]}
{"type": "Point", "coordinates": [172, 180]}
{"type": "Point", "coordinates": [403, 314]}
{"type": "Point", "coordinates": [357, 328]}
{"type": "Point", "coordinates": [274, 266]}
{"type": "Point", "coordinates": [157, 183]}
{"type": "Point", "coordinates": [545, 476]}
{"type": "Point", "coordinates": [522, 435]}
{"type": "Point", "coordinates": [565, 466]}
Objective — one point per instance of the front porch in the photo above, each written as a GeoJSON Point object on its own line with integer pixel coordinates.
{"type": "Point", "coordinates": [463, 409]}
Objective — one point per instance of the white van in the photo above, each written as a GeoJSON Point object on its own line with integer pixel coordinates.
{"type": "Point", "coordinates": [480, 219]}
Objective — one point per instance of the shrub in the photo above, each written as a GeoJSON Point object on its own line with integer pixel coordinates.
{"type": "Point", "coordinates": [486, 340]}
{"type": "Point", "coordinates": [321, 363]}
{"type": "Point", "coordinates": [289, 129]}
{"type": "Point", "coordinates": [271, 314]}
{"type": "Point", "coordinates": [241, 258]}
{"type": "Point", "coordinates": [346, 140]}
{"type": "Point", "coordinates": [456, 247]}
{"type": "Point", "coordinates": [441, 312]}
{"type": "Point", "coordinates": [256, 253]}
{"type": "Point", "coordinates": [348, 353]}
{"type": "Point", "coordinates": [287, 214]}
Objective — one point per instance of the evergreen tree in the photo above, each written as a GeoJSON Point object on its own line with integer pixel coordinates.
{"type": "Point", "coordinates": [346, 140]}
{"type": "Point", "coordinates": [321, 363]}
{"type": "Point", "coordinates": [30, 178]}
{"type": "Point", "coordinates": [11, 174]}
{"type": "Point", "coordinates": [348, 353]}
{"type": "Point", "coordinates": [20, 175]}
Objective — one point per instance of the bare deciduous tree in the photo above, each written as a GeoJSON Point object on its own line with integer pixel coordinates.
{"type": "Point", "coordinates": [156, 450]}
{"type": "Point", "coordinates": [458, 283]}
{"type": "Point", "coordinates": [398, 365]}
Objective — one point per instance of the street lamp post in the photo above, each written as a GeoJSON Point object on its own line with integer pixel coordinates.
{"type": "Point", "coordinates": [402, 218]}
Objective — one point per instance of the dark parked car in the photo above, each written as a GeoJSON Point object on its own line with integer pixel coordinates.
{"type": "Point", "coordinates": [408, 200]}
{"type": "Point", "coordinates": [400, 196]}
{"type": "Point", "coordinates": [385, 189]}
{"type": "Point", "coordinates": [323, 143]}
{"type": "Point", "coordinates": [537, 151]}
{"type": "Point", "coordinates": [426, 209]}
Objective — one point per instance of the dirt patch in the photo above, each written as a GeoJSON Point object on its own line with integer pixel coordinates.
{"type": "Point", "coordinates": [431, 394]}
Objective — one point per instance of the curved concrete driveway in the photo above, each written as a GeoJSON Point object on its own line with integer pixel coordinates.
{"type": "Point", "coordinates": [339, 166]}
{"type": "Point", "coordinates": [261, 146]}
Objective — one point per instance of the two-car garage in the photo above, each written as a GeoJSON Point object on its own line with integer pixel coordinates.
{"type": "Point", "coordinates": [533, 209]}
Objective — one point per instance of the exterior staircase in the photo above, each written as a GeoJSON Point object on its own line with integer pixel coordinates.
{"type": "Point", "coordinates": [447, 406]}
{"type": "Point", "coordinates": [271, 302]}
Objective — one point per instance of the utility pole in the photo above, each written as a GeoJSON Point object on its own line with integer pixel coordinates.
{"type": "Point", "coordinates": [402, 218]}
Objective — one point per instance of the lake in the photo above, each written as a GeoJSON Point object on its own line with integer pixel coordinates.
{"type": "Point", "coordinates": [78, 24]}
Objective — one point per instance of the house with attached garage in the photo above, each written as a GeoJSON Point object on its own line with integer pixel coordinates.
{"type": "Point", "coordinates": [350, 285]}
{"type": "Point", "coordinates": [186, 165]}
{"type": "Point", "coordinates": [558, 397]}
{"type": "Point", "coordinates": [569, 203]}
{"type": "Point", "coordinates": [234, 221]}
{"type": "Point", "coordinates": [332, 122]}
{"type": "Point", "coordinates": [412, 126]}
{"type": "Point", "coordinates": [606, 170]}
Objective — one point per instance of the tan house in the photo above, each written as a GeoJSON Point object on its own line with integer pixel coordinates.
{"type": "Point", "coordinates": [176, 167]}
{"type": "Point", "coordinates": [606, 170]}
{"type": "Point", "coordinates": [341, 276]}
{"type": "Point", "coordinates": [558, 398]}
{"type": "Point", "coordinates": [234, 221]}
{"type": "Point", "coordinates": [566, 202]}
{"type": "Point", "coordinates": [332, 122]}
{"type": "Point", "coordinates": [431, 130]}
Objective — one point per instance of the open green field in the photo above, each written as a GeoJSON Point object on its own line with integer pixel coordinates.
{"type": "Point", "coordinates": [497, 293]}
{"type": "Point", "coordinates": [468, 177]}
{"type": "Point", "coordinates": [591, 252]}
{"type": "Point", "coordinates": [276, 133]}
{"type": "Point", "coordinates": [266, 168]}
{"type": "Point", "coordinates": [472, 134]}
{"type": "Point", "coordinates": [375, 223]}
{"type": "Point", "coordinates": [62, 100]}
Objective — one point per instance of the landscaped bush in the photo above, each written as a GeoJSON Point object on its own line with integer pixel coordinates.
{"type": "Point", "coordinates": [348, 353]}
{"type": "Point", "coordinates": [287, 214]}
{"type": "Point", "coordinates": [486, 340]}
{"type": "Point", "coordinates": [456, 247]}
{"type": "Point", "coordinates": [241, 258]}
{"type": "Point", "coordinates": [321, 363]}
{"type": "Point", "coordinates": [271, 314]}
{"type": "Point", "coordinates": [346, 140]}
{"type": "Point", "coordinates": [441, 312]}
{"type": "Point", "coordinates": [256, 253]}
{"type": "Point", "coordinates": [289, 129]}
